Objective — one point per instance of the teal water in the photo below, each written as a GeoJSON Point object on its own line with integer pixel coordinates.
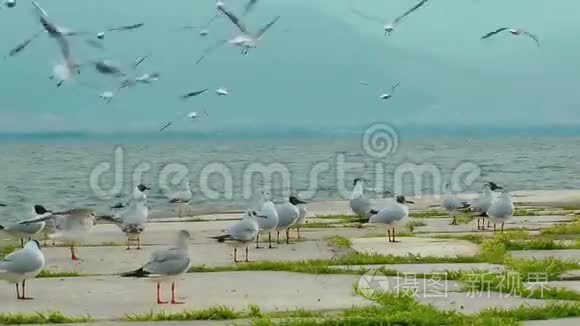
{"type": "Point", "coordinates": [57, 173]}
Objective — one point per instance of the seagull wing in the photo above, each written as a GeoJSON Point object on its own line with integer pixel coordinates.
{"type": "Point", "coordinates": [195, 93]}
{"type": "Point", "coordinates": [395, 87]}
{"type": "Point", "coordinates": [410, 11]}
{"type": "Point", "coordinates": [126, 28]}
{"type": "Point", "coordinates": [366, 16]}
{"type": "Point", "coordinates": [39, 9]}
{"type": "Point", "coordinates": [166, 126]}
{"type": "Point", "coordinates": [264, 29]}
{"type": "Point", "coordinates": [533, 37]}
{"type": "Point", "coordinates": [233, 19]}
{"type": "Point", "coordinates": [140, 60]}
{"type": "Point", "coordinates": [23, 45]}
{"type": "Point", "coordinates": [249, 7]}
{"type": "Point", "coordinates": [41, 218]}
{"type": "Point", "coordinates": [209, 50]}
{"type": "Point", "coordinates": [490, 34]}
{"type": "Point", "coordinates": [167, 262]}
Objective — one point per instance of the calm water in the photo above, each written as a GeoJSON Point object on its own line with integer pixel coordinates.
{"type": "Point", "coordinates": [57, 173]}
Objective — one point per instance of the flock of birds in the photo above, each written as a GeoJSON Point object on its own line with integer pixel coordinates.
{"type": "Point", "coordinates": [73, 226]}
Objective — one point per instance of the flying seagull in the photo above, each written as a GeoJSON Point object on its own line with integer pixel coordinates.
{"type": "Point", "coordinates": [24, 44]}
{"type": "Point", "coordinates": [389, 27]}
{"type": "Point", "coordinates": [222, 92]}
{"type": "Point", "coordinates": [194, 93]}
{"type": "Point", "coordinates": [191, 116]}
{"type": "Point", "coordinates": [514, 32]}
{"type": "Point", "coordinates": [245, 39]}
{"type": "Point", "coordinates": [101, 35]}
{"type": "Point", "coordinates": [387, 96]}
{"type": "Point", "coordinates": [10, 3]}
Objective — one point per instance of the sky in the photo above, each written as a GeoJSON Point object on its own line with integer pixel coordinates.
{"type": "Point", "coordinates": [305, 74]}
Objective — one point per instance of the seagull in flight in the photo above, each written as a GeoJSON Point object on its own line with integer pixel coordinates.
{"type": "Point", "coordinates": [514, 32]}
{"type": "Point", "coordinates": [10, 3]}
{"type": "Point", "coordinates": [389, 27]}
{"type": "Point", "coordinates": [101, 35]}
{"type": "Point", "coordinates": [245, 39]}
{"type": "Point", "coordinates": [387, 96]}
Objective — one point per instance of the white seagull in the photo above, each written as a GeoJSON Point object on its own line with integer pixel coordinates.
{"type": "Point", "coordinates": [483, 203]}
{"type": "Point", "coordinates": [359, 204]}
{"type": "Point", "coordinates": [453, 205]}
{"type": "Point", "coordinates": [387, 96]}
{"type": "Point", "coordinates": [134, 218]}
{"type": "Point", "coordinates": [501, 210]}
{"type": "Point", "coordinates": [245, 39]}
{"type": "Point", "coordinates": [73, 225]}
{"type": "Point", "coordinates": [182, 199]}
{"type": "Point", "coordinates": [222, 92]}
{"type": "Point", "coordinates": [303, 212]}
{"type": "Point", "coordinates": [22, 265]}
{"type": "Point", "coordinates": [242, 234]}
{"type": "Point", "coordinates": [395, 214]}
{"type": "Point", "coordinates": [288, 214]}
{"type": "Point", "coordinates": [389, 27]}
{"type": "Point", "coordinates": [23, 231]}
{"type": "Point", "coordinates": [166, 265]}
{"type": "Point", "coordinates": [514, 32]}
{"type": "Point", "coordinates": [268, 224]}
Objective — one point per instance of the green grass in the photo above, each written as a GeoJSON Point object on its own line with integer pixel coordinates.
{"type": "Point", "coordinates": [8, 249]}
{"type": "Point", "coordinates": [339, 241]}
{"type": "Point", "coordinates": [50, 274]}
{"type": "Point", "coordinates": [213, 313]}
{"type": "Point", "coordinates": [563, 229]}
{"type": "Point", "coordinates": [428, 214]}
{"type": "Point", "coordinates": [415, 224]}
{"type": "Point", "coordinates": [52, 317]}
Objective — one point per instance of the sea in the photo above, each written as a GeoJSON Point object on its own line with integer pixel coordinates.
{"type": "Point", "coordinates": [226, 173]}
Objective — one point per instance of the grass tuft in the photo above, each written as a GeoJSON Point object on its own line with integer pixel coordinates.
{"type": "Point", "coordinates": [50, 274]}
{"type": "Point", "coordinates": [213, 313]}
{"type": "Point", "coordinates": [339, 241]}
{"type": "Point", "coordinates": [52, 317]}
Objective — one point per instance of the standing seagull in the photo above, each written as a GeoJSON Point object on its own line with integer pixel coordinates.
{"type": "Point", "coordinates": [453, 205]}
{"type": "Point", "coordinates": [394, 214]}
{"type": "Point", "coordinates": [182, 200]}
{"type": "Point", "coordinates": [288, 214]}
{"type": "Point", "coordinates": [514, 32]}
{"type": "Point", "coordinates": [501, 210]}
{"type": "Point", "coordinates": [166, 266]}
{"type": "Point", "coordinates": [303, 212]}
{"type": "Point", "coordinates": [245, 39]}
{"type": "Point", "coordinates": [74, 225]}
{"type": "Point", "coordinates": [23, 231]}
{"type": "Point", "coordinates": [389, 27]}
{"type": "Point", "coordinates": [133, 219]}
{"type": "Point", "coordinates": [387, 96]}
{"type": "Point", "coordinates": [268, 224]}
{"type": "Point", "coordinates": [242, 234]}
{"type": "Point", "coordinates": [22, 265]}
{"type": "Point", "coordinates": [483, 203]}
{"type": "Point", "coordinates": [359, 204]}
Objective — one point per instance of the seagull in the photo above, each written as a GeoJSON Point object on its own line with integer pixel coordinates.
{"type": "Point", "coordinates": [501, 210]}
{"type": "Point", "coordinates": [107, 67]}
{"type": "Point", "coordinates": [303, 212]}
{"type": "Point", "coordinates": [394, 214]}
{"type": "Point", "coordinates": [222, 92]}
{"type": "Point", "coordinates": [182, 199]}
{"type": "Point", "coordinates": [288, 214]}
{"type": "Point", "coordinates": [241, 234]}
{"type": "Point", "coordinates": [148, 78]}
{"type": "Point", "coordinates": [59, 35]}
{"type": "Point", "coordinates": [23, 231]}
{"type": "Point", "coordinates": [193, 94]}
{"type": "Point", "coordinates": [483, 203]}
{"type": "Point", "coordinates": [269, 223]}
{"type": "Point", "coordinates": [453, 205]}
{"type": "Point", "coordinates": [514, 32]}
{"type": "Point", "coordinates": [191, 116]}
{"type": "Point", "coordinates": [107, 96]}
{"type": "Point", "coordinates": [166, 266]}
{"type": "Point", "coordinates": [22, 265]}
{"type": "Point", "coordinates": [61, 74]}
{"type": "Point", "coordinates": [72, 225]}
{"type": "Point", "coordinates": [389, 27]}
{"type": "Point", "coordinates": [101, 35]}
{"type": "Point", "coordinates": [245, 39]}
{"type": "Point", "coordinates": [24, 44]}
{"type": "Point", "coordinates": [359, 204]}
{"type": "Point", "coordinates": [10, 3]}
{"type": "Point", "coordinates": [387, 96]}
{"type": "Point", "coordinates": [362, 82]}
{"type": "Point", "coordinates": [133, 219]}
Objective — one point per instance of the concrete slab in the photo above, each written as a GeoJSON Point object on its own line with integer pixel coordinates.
{"type": "Point", "coordinates": [114, 260]}
{"type": "Point", "coordinates": [441, 225]}
{"type": "Point", "coordinates": [566, 254]}
{"type": "Point", "coordinates": [472, 303]}
{"type": "Point", "coordinates": [573, 275]}
{"type": "Point", "coordinates": [112, 298]}
{"type": "Point", "coordinates": [429, 268]}
{"type": "Point", "coordinates": [416, 246]}
{"type": "Point", "coordinates": [570, 285]}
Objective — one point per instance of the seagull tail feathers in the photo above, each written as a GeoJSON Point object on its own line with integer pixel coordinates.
{"type": "Point", "coordinates": [136, 273]}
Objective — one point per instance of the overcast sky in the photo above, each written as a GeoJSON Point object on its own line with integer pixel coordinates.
{"type": "Point", "coordinates": [306, 72]}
